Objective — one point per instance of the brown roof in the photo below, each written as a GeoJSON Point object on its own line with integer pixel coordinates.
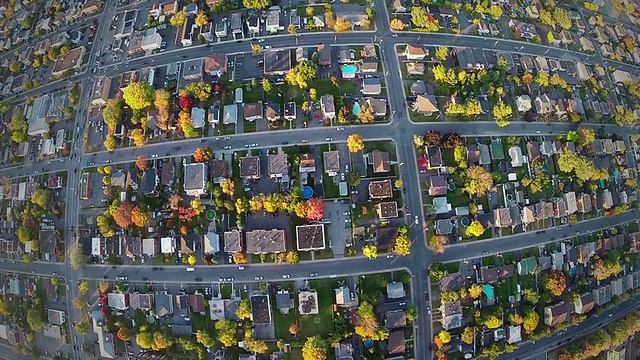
{"type": "Point", "coordinates": [557, 314]}
{"type": "Point", "coordinates": [307, 160]}
{"type": "Point", "coordinates": [386, 237]}
{"type": "Point", "coordinates": [196, 301]}
{"type": "Point", "coordinates": [278, 164]}
{"type": "Point", "coordinates": [415, 49]}
{"type": "Point", "coordinates": [70, 60]}
{"type": "Point", "coordinates": [266, 241]}
{"type": "Point", "coordinates": [387, 210]}
{"type": "Point", "coordinates": [233, 241]}
{"type": "Point", "coordinates": [489, 274]}
{"type": "Point", "coordinates": [324, 55]}
{"type": "Point", "coordinates": [533, 148]}
{"type": "Point", "coordinates": [381, 162]}
{"type": "Point", "coordinates": [506, 271]}
{"type": "Point", "coordinates": [395, 319]}
{"type": "Point", "coordinates": [215, 63]}
{"type": "Point", "coordinates": [452, 282]}
{"type": "Point", "coordinates": [219, 168]}
{"type": "Point", "coordinates": [310, 237]}
{"type": "Point", "coordinates": [438, 185]}
{"type": "Point", "coordinates": [250, 166]}
{"type": "Point", "coordinates": [473, 154]}
{"type": "Point", "coordinates": [253, 110]}
{"type": "Point", "coordinates": [167, 172]}
{"type": "Point", "coordinates": [396, 342]}
{"type": "Point", "coordinates": [380, 189]}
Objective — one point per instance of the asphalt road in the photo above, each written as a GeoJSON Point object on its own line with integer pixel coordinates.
{"type": "Point", "coordinates": [400, 129]}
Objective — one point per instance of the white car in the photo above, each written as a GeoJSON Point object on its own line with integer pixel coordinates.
{"type": "Point", "coordinates": [286, 276]}
{"type": "Point", "coordinates": [261, 40]}
{"type": "Point", "coordinates": [342, 177]}
{"type": "Point", "coordinates": [341, 128]}
{"type": "Point", "coordinates": [267, 47]}
{"type": "Point", "coordinates": [154, 155]}
{"type": "Point", "coordinates": [415, 220]}
{"type": "Point", "coordinates": [241, 268]}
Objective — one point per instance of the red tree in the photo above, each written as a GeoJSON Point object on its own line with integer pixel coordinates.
{"type": "Point", "coordinates": [554, 282]}
{"type": "Point", "coordinates": [217, 88]}
{"type": "Point", "coordinates": [315, 209]}
{"type": "Point", "coordinates": [186, 102]}
{"type": "Point", "coordinates": [123, 215]}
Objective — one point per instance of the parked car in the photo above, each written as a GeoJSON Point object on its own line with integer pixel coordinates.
{"type": "Point", "coordinates": [286, 276]}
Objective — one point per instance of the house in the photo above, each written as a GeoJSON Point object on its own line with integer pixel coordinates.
{"type": "Point", "coordinates": [324, 55]}
{"type": "Point", "coordinates": [307, 163]}
{"type": "Point", "coordinates": [396, 343]}
{"type": "Point", "coordinates": [414, 68]}
{"type": "Point", "coordinates": [387, 210]}
{"type": "Point", "coordinates": [230, 114]}
{"type": "Point", "coordinates": [106, 343]}
{"type": "Point", "coordinates": [277, 62]}
{"type": "Point", "coordinates": [192, 69]}
{"type": "Point", "coordinates": [502, 217]}
{"type": "Point", "coordinates": [470, 59]}
{"type": "Point", "coordinates": [71, 61]}
{"type": "Point", "coordinates": [395, 290]}
{"type": "Point", "coordinates": [571, 202]}
{"type": "Point", "coordinates": [272, 24]}
{"type": "Point", "coordinates": [221, 29]}
{"type": "Point", "coordinates": [526, 30]}
{"type": "Point", "coordinates": [250, 167]}
{"type": "Point", "coordinates": [399, 6]}
{"type": "Point", "coordinates": [195, 179]}
{"type": "Point", "coordinates": [284, 301]}
{"type": "Point", "coordinates": [253, 25]}
{"type": "Point", "coordinates": [290, 111]}
{"type": "Point", "coordinates": [278, 165]}
{"type": "Point", "coordinates": [379, 106]}
{"type": "Point", "coordinates": [527, 266]}
{"type": "Point", "coordinates": [253, 112]}
{"type": "Point", "coordinates": [371, 86]}
{"type": "Point", "coordinates": [342, 296]}
{"type": "Point", "coordinates": [438, 185]}
{"type": "Point", "coordinates": [602, 295]}
{"type": "Point", "coordinates": [434, 156]}
{"type": "Point", "coordinates": [331, 162]}
{"type": "Point", "coordinates": [523, 103]}
{"type": "Point", "coordinates": [233, 241]}
{"type": "Point", "coordinates": [517, 159]}
{"type": "Point", "coordinates": [380, 189]}
{"type": "Point", "coordinates": [543, 104]}
{"type": "Point", "coordinates": [308, 302]}
{"type": "Point", "coordinates": [310, 237]}
{"type": "Point", "coordinates": [216, 64]}
{"type": "Point", "coordinates": [555, 315]}
{"type": "Point", "coordinates": [452, 282]}
{"type": "Point", "coordinates": [265, 241]}
{"type": "Point", "coordinates": [425, 104]}
{"type": "Point", "coordinates": [260, 309]}
{"type": "Point", "coordinates": [385, 237]}
{"type": "Point", "coordinates": [380, 161]}
{"type": "Point", "coordinates": [163, 304]}
{"type": "Point", "coordinates": [584, 303]}
{"type": "Point", "coordinates": [489, 275]}
{"type": "Point", "coordinates": [272, 112]}
{"type": "Point", "coordinates": [415, 52]}
{"type": "Point", "coordinates": [327, 106]}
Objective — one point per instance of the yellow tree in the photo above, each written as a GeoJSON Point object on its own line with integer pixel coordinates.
{"type": "Point", "coordinates": [197, 206]}
{"type": "Point", "coordinates": [292, 29]}
{"type": "Point", "coordinates": [110, 143]}
{"type": "Point", "coordinates": [178, 19]}
{"type": "Point", "coordinates": [397, 24]}
{"type": "Point", "coordinates": [138, 137]}
{"type": "Point", "coordinates": [370, 251]}
{"type": "Point", "coordinates": [502, 112]}
{"type": "Point", "coordinates": [192, 259]}
{"type": "Point", "coordinates": [138, 95]}
{"type": "Point", "coordinates": [437, 243]}
{"type": "Point", "coordinates": [256, 49]}
{"type": "Point", "coordinates": [403, 243]}
{"type": "Point", "coordinates": [141, 163]}
{"type": "Point", "coordinates": [355, 143]}
{"type": "Point", "coordinates": [244, 310]}
{"type": "Point", "coordinates": [240, 258]}
{"type": "Point", "coordinates": [474, 229]}
{"type": "Point", "coordinates": [475, 291]}
{"type": "Point", "coordinates": [478, 181]}
{"type": "Point", "coordinates": [201, 19]}
{"type": "Point", "coordinates": [342, 24]}
{"type": "Point", "coordinates": [444, 336]}
{"type": "Point", "coordinates": [228, 186]}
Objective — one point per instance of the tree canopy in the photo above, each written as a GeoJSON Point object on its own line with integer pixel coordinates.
{"type": "Point", "coordinates": [138, 95]}
{"type": "Point", "coordinates": [302, 74]}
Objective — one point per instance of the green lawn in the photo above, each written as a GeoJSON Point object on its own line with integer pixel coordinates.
{"type": "Point", "coordinates": [202, 322]}
{"type": "Point", "coordinates": [253, 96]}
{"type": "Point", "coordinates": [527, 281]}
{"type": "Point", "coordinates": [366, 211]}
{"type": "Point", "coordinates": [225, 291]}
{"type": "Point", "coordinates": [249, 126]}
{"type": "Point", "coordinates": [325, 86]}
{"type": "Point", "coordinates": [321, 324]}
{"type": "Point", "coordinates": [348, 87]}
{"type": "Point", "coordinates": [458, 198]}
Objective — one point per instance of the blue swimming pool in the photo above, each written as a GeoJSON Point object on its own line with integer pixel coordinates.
{"type": "Point", "coordinates": [349, 69]}
{"type": "Point", "coordinates": [356, 108]}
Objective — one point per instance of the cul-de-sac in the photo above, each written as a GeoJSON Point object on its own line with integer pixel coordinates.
{"type": "Point", "coordinates": [319, 179]}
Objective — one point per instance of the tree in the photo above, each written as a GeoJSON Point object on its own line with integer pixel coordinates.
{"type": "Point", "coordinates": [531, 320]}
{"type": "Point", "coordinates": [342, 24]}
{"type": "Point", "coordinates": [355, 143]}
{"type": "Point", "coordinates": [478, 181]}
{"type": "Point", "coordinates": [226, 332]}
{"type": "Point", "coordinates": [418, 140]}
{"type": "Point", "coordinates": [402, 246]}
{"type": "Point", "coordinates": [244, 310]}
{"type": "Point", "coordinates": [314, 349]}
{"type": "Point", "coordinates": [420, 17]}
{"type": "Point", "coordinates": [293, 257]}
{"type": "Point", "coordinates": [255, 345]}
{"type": "Point", "coordinates": [202, 154]}
{"type": "Point", "coordinates": [124, 334]}
{"type": "Point", "coordinates": [562, 18]}
{"type": "Point", "coordinates": [437, 243]}
{"type": "Point", "coordinates": [35, 319]}
{"type": "Point", "coordinates": [201, 19]}
{"type": "Point", "coordinates": [112, 113]}
{"type": "Point", "coordinates": [228, 186]}
{"type": "Point", "coordinates": [493, 322]}
{"type": "Point", "coordinates": [204, 338]}
{"type": "Point", "coordinates": [123, 214]}
{"type": "Point", "coordinates": [354, 178]}
{"type": "Point", "coordinates": [368, 326]}
{"type": "Point", "coordinates": [84, 287]}
{"type": "Point", "coordinates": [467, 335]}
{"type": "Point", "coordinates": [309, 10]}
{"type": "Point", "coordinates": [104, 287]}
{"type": "Point", "coordinates": [15, 67]}
{"type": "Point", "coordinates": [106, 225]}
{"type": "Point", "coordinates": [138, 137]}
{"type": "Point", "coordinates": [192, 259]}
{"type": "Point", "coordinates": [502, 112]}
{"type": "Point", "coordinates": [256, 4]}
{"type": "Point", "coordinates": [141, 163]}
{"type": "Point", "coordinates": [138, 95]}
{"type": "Point", "coordinates": [313, 94]}
{"type": "Point", "coordinates": [144, 339]}
{"type": "Point", "coordinates": [474, 229]}
{"type": "Point", "coordinates": [293, 329]}
{"type": "Point", "coordinates": [527, 78]}
{"type": "Point", "coordinates": [586, 136]}
{"type": "Point", "coordinates": [139, 217]}
{"type": "Point", "coordinates": [370, 251]}
{"type": "Point", "coordinates": [19, 127]}
{"type": "Point", "coordinates": [531, 296]}
{"type": "Point", "coordinates": [397, 24]}
{"type": "Point", "coordinates": [367, 114]}
{"type": "Point", "coordinates": [302, 74]}
{"type": "Point", "coordinates": [178, 19]}
{"type": "Point", "coordinates": [547, 18]}
{"type": "Point", "coordinates": [240, 258]}
{"type": "Point", "coordinates": [433, 138]}
{"type": "Point", "coordinates": [315, 209]}
{"type": "Point", "coordinates": [444, 336]}
{"type": "Point", "coordinates": [442, 53]}
{"type": "Point", "coordinates": [185, 102]}
{"type": "Point", "coordinates": [516, 319]}
{"type": "Point", "coordinates": [41, 197]}
{"type": "Point", "coordinates": [475, 291]}
{"type": "Point", "coordinates": [292, 29]}
{"type": "Point", "coordinates": [266, 85]}
{"type": "Point", "coordinates": [554, 282]}
{"type": "Point", "coordinates": [197, 206]}
{"type": "Point", "coordinates": [542, 78]}
{"type": "Point", "coordinates": [77, 258]}
{"type": "Point", "coordinates": [82, 327]}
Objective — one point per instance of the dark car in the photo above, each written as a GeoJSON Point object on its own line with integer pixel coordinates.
{"type": "Point", "coordinates": [198, 279]}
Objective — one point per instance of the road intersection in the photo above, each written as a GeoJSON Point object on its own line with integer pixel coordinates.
{"type": "Point", "coordinates": [400, 129]}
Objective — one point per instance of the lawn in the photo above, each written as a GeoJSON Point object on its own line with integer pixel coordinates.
{"type": "Point", "coordinates": [254, 95]}
{"type": "Point", "coordinates": [458, 198]}
{"type": "Point", "coordinates": [325, 86]}
{"type": "Point", "coordinates": [364, 211]}
{"type": "Point", "coordinates": [322, 323]}
{"type": "Point", "coordinates": [225, 291]}
{"type": "Point", "coordinates": [527, 281]}
{"type": "Point", "coordinates": [202, 322]}
{"type": "Point", "coordinates": [348, 87]}
{"type": "Point", "coordinates": [249, 126]}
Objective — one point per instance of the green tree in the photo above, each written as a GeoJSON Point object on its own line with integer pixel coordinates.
{"type": "Point", "coordinates": [113, 112]}
{"type": "Point", "coordinates": [562, 18]}
{"type": "Point", "coordinates": [138, 95]}
{"type": "Point", "coordinates": [314, 349]}
{"type": "Point", "coordinates": [76, 258]}
{"type": "Point", "coordinates": [354, 178]}
{"type": "Point", "coordinates": [27, 22]}
{"type": "Point", "coordinates": [145, 339]}
{"type": "Point", "coordinates": [35, 318]}
{"type": "Point", "coordinates": [586, 136]}
{"type": "Point", "coordinates": [226, 332]}
{"type": "Point", "coordinates": [302, 74]}
{"type": "Point", "coordinates": [15, 67]}
{"type": "Point", "coordinates": [82, 327]}
{"type": "Point", "coordinates": [18, 127]}
{"type": "Point", "coordinates": [266, 85]}
{"type": "Point", "coordinates": [531, 296]}
{"type": "Point", "coordinates": [41, 197]}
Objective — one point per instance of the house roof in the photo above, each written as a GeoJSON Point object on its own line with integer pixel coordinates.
{"type": "Point", "coordinates": [196, 301]}
{"type": "Point", "coordinates": [452, 282]}
{"type": "Point", "coordinates": [260, 309]}
{"type": "Point", "coordinates": [556, 314]}
{"type": "Point", "coordinates": [396, 342]}
{"type": "Point", "coordinates": [395, 290]}
{"type": "Point", "coordinates": [415, 49]}
{"type": "Point", "coordinates": [331, 161]}
{"type": "Point", "coordinates": [168, 169]}
{"type": "Point", "coordinates": [380, 189]}
{"type": "Point", "coordinates": [438, 185]}
{"type": "Point", "coordinates": [265, 241]}
{"type": "Point", "coordinates": [194, 176]}
{"type": "Point", "coordinates": [310, 237]}
{"type": "Point", "coordinates": [386, 236]}
{"type": "Point", "coordinates": [395, 319]}
{"type": "Point", "coordinates": [253, 110]}
{"type": "Point", "coordinates": [489, 274]}
{"type": "Point", "coordinates": [215, 63]}
{"type": "Point", "coordinates": [284, 301]}
{"type": "Point", "coordinates": [387, 210]}
{"type": "Point", "coordinates": [233, 241]}
{"type": "Point", "coordinates": [381, 162]}
{"type": "Point", "coordinates": [250, 166]}
{"type": "Point", "coordinates": [506, 271]}
{"type": "Point", "coordinates": [278, 164]}
{"type": "Point", "coordinates": [277, 61]}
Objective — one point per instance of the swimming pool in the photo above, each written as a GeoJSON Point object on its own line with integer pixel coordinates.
{"type": "Point", "coordinates": [356, 108]}
{"type": "Point", "coordinates": [349, 69]}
